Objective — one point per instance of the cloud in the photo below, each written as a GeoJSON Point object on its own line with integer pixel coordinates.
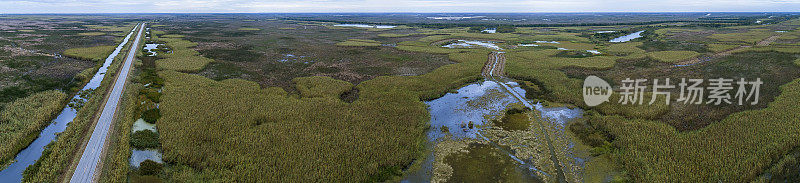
{"type": "Point", "coordinates": [266, 6]}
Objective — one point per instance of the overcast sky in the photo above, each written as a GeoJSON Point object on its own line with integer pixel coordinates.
{"type": "Point", "coordinates": [421, 6]}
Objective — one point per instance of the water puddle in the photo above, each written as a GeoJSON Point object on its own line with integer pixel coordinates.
{"type": "Point", "coordinates": [601, 32]}
{"type": "Point", "coordinates": [30, 154]}
{"type": "Point", "coordinates": [140, 125]}
{"type": "Point", "coordinates": [366, 26]}
{"type": "Point", "coordinates": [490, 31]}
{"type": "Point", "coordinates": [627, 38]}
{"type": "Point", "coordinates": [594, 52]}
{"type": "Point", "coordinates": [473, 44]}
{"type": "Point", "coordinates": [138, 156]}
{"type": "Point", "coordinates": [291, 58]}
{"type": "Point", "coordinates": [153, 49]}
{"type": "Point", "coordinates": [473, 103]}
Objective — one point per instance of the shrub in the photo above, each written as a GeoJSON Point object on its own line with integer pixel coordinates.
{"type": "Point", "coordinates": [97, 53]}
{"type": "Point", "coordinates": [151, 93]}
{"type": "Point", "coordinates": [152, 115]}
{"type": "Point", "coordinates": [144, 139]}
{"type": "Point", "coordinates": [150, 167]}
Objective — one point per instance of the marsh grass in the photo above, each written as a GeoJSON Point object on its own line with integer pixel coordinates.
{"type": "Point", "coordinates": [183, 57]}
{"type": "Point", "coordinates": [96, 54]}
{"type": "Point", "coordinates": [359, 42]}
{"type": "Point", "coordinates": [672, 56]}
{"type": "Point", "coordinates": [23, 119]}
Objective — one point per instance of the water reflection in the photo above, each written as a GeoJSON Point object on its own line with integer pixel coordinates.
{"type": "Point", "coordinates": [627, 38]}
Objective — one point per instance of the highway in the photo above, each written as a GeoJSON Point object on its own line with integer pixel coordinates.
{"type": "Point", "coordinates": [90, 159]}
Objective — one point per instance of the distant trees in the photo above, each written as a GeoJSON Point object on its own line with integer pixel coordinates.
{"type": "Point", "coordinates": [499, 29]}
{"type": "Point", "coordinates": [506, 29]}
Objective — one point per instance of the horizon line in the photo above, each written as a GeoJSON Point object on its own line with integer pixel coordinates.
{"type": "Point", "coordinates": [403, 12]}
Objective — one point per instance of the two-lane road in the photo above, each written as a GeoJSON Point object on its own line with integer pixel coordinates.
{"type": "Point", "coordinates": [90, 159]}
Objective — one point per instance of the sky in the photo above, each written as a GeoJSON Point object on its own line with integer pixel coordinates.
{"type": "Point", "coordinates": [417, 6]}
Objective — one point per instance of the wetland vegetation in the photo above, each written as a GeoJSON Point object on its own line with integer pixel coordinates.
{"type": "Point", "coordinates": [310, 97]}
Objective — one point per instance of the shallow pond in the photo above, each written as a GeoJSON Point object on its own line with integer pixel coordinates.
{"type": "Point", "coordinates": [29, 155]}
{"type": "Point", "coordinates": [473, 44]}
{"type": "Point", "coordinates": [478, 103]}
{"type": "Point", "coordinates": [627, 38]}
{"type": "Point", "coordinates": [366, 26]}
{"type": "Point", "coordinates": [138, 156]}
{"type": "Point", "coordinates": [472, 103]}
{"type": "Point", "coordinates": [151, 47]}
{"type": "Point", "coordinates": [140, 125]}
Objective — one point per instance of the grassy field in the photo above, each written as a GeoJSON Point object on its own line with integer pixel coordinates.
{"type": "Point", "coordinates": [394, 129]}
{"type": "Point", "coordinates": [672, 56]}
{"type": "Point", "coordinates": [183, 57]}
{"type": "Point", "coordinates": [359, 42]}
{"type": "Point", "coordinates": [316, 111]}
{"type": "Point", "coordinates": [96, 54]}
{"type": "Point", "coordinates": [736, 148]}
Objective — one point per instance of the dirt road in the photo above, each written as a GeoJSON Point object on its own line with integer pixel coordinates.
{"type": "Point", "coordinates": [495, 67]}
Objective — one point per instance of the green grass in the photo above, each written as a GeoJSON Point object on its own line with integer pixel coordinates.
{"type": "Point", "coordinates": [547, 59]}
{"type": "Point", "coordinates": [172, 36]}
{"type": "Point", "coordinates": [381, 129]}
{"type": "Point", "coordinates": [624, 48]}
{"type": "Point", "coordinates": [318, 86]}
{"type": "Point", "coordinates": [751, 37]}
{"type": "Point", "coordinates": [23, 119]}
{"type": "Point", "coordinates": [183, 57]}
{"type": "Point", "coordinates": [721, 47]}
{"type": "Point", "coordinates": [97, 53]}
{"type": "Point", "coordinates": [672, 56]}
{"type": "Point", "coordinates": [359, 42]}
{"type": "Point", "coordinates": [92, 33]}
{"type": "Point", "coordinates": [392, 35]}
{"type": "Point", "coordinates": [248, 29]}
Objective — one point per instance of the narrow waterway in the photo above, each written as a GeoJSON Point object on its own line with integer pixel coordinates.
{"type": "Point", "coordinates": [29, 155]}
{"type": "Point", "coordinates": [627, 38]}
